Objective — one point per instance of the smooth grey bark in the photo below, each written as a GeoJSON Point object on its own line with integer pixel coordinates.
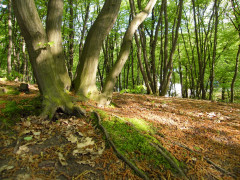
{"type": "Point", "coordinates": [85, 81]}
{"type": "Point", "coordinates": [124, 53]}
{"type": "Point", "coordinates": [54, 35]}
{"type": "Point", "coordinates": [10, 44]}
{"type": "Point", "coordinates": [41, 57]}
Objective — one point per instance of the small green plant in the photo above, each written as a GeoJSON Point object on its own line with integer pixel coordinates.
{"type": "Point", "coordinates": [51, 43]}
{"type": "Point", "coordinates": [141, 89]}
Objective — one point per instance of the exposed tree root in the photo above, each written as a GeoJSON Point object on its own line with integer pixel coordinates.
{"type": "Point", "coordinates": [51, 109]}
{"type": "Point", "coordinates": [169, 159]}
{"type": "Point", "coordinates": [161, 150]}
{"type": "Point", "coordinates": [119, 154]}
{"type": "Point", "coordinates": [209, 161]}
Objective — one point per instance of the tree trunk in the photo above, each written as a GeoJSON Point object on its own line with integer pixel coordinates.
{"type": "Point", "coordinates": [235, 74]}
{"type": "Point", "coordinates": [42, 55]}
{"type": "Point", "coordinates": [54, 38]}
{"type": "Point", "coordinates": [9, 57]}
{"type": "Point", "coordinates": [145, 78]}
{"type": "Point", "coordinates": [71, 40]}
{"type": "Point", "coordinates": [168, 60]}
{"type": "Point", "coordinates": [85, 82]}
{"type": "Point", "coordinates": [216, 5]}
{"type": "Point", "coordinates": [153, 49]}
{"type": "Point", "coordinates": [236, 8]}
{"type": "Point", "coordinates": [124, 53]}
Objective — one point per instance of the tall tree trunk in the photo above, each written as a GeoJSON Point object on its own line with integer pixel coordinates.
{"type": "Point", "coordinates": [153, 48]}
{"type": "Point", "coordinates": [9, 57]}
{"type": "Point", "coordinates": [85, 81]}
{"type": "Point", "coordinates": [216, 5]}
{"type": "Point", "coordinates": [168, 60]}
{"type": "Point", "coordinates": [71, 40]}
{"type": "Point", "coordinates": [132, 67]}
{"type": "Point", "coordinates": [236, 11]}
{"type": "Point", "coordinates": [54, 36]}
{"type": "Point", "coordinates": [235, 74]}
{"type": "Point", "coordinates": [84, 29]}
{"type": "Point", "coordinates": [42, 55]}
{"type": "Point", "coordinates": [145, 78]}
{"type": "Point", "coordinates": [124, 52]}
{"type": "Point", "coordinates": [149, 90]}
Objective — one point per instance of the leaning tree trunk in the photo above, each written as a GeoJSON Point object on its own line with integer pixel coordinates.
{"type": "Point", "coordinates": [42, 55]}
{"type": "Point", "coordinates": [85, 81]}
{"type": "Point", "coordinates": [106, 95]}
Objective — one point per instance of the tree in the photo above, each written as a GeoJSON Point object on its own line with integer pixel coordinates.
{"type": "Point", "coordinates": [236, 23]}
{"type": "Point", "coordinates": [47, 59]}
{"type": "Point", "coordinates": [85, 81]}
{"type": "Point", "coordinates": [167, 68]}
{"type": "Point", "coordinates": [45, 52]}
{"type": "Point", "coordinates": [9, 58]}
{"type": "Point", "coordinates": [106, 95]}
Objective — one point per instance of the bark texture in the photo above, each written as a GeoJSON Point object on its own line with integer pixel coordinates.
{"type": "Point", "coordinates": [42, 58]}
{"type": "Point", "coordinates": [124, 53]}
{"type": "Point", "coordinates": [54, 37]}
{"type": "Point", "coordinates": [85, 82]}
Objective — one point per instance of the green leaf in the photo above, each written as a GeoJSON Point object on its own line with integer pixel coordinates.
{"type": "Point", "coordinates": [51, 43]}
{"type": "Point", "coordinates": [28, 138]}
{"type": "Point", "coordinates": [197, 148]}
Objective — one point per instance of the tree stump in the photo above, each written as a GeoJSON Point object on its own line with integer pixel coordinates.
{"type": "Point", "coordinates": [24, 88]}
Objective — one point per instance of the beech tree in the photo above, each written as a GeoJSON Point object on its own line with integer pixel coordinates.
{"type": "Point", "coordinates": [46, 53]}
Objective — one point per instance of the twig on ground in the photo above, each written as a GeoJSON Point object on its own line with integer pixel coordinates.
{"type": "Point", "coordinates": [119, 154]}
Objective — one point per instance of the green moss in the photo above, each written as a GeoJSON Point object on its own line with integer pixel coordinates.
{"type": "Point", "coordinates": [14, 111]}
{"type": "Point", "coordinates": [133, 144]}
{"type": "Point", "coordinates": [141, 125]}
{"type": "Point", "coordinates": [3, 102]}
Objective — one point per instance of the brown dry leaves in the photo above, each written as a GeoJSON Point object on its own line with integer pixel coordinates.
{"type": "Point", "coordinates": [208, 128]}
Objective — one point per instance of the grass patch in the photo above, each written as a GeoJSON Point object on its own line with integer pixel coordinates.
{"type": "Point", "coordinates": [13, 111]}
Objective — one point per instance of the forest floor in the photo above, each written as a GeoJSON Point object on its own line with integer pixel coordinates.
{"type": "Point", "coordinates": [202, 137]}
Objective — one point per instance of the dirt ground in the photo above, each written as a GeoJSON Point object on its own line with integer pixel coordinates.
{"type": "Point", "coordinates": [202, 134]}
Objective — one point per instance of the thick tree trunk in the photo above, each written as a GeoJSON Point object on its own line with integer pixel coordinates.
{"type": "Point", "coordinates": [85, 82]}
{"type": "Point", "coordinates": [54, 36]}
{"type": "Point", "coordinates": [42, 56]}
{"type": "Point", "coordinates": [9, 57]}
{"type": "Point", "coordinates": [124, 53]}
